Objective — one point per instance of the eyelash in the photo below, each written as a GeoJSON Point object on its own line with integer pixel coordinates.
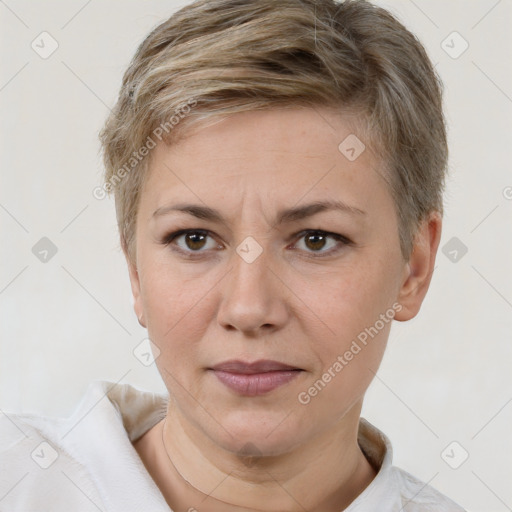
{"type": "Point", "coordinates": [168, 239]}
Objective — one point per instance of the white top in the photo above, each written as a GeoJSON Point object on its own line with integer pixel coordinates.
{"type": "Point", "coordinates": [87, 463]}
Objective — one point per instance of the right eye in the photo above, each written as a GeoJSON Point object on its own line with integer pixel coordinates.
{"type": "Point", "coordinates": [192, 241]}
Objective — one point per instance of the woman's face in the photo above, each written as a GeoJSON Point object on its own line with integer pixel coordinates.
{"type": "Point", "coordinates": [254, 280]}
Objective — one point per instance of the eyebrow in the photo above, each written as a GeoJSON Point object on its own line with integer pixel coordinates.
{"type": "Point", "coordinates": [284, 216]}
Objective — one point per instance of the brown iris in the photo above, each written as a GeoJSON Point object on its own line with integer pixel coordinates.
{"type": "Point", "coordinates": [195, 240]}
{"type": "Point", "coordinates": [315, 241]}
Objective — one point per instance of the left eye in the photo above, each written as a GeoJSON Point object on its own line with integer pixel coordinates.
{"type": "Point", "coordinates": [317, 240]}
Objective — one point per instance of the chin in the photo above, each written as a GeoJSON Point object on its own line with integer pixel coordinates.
{"type": "Point", "coordinates": [258, 433]}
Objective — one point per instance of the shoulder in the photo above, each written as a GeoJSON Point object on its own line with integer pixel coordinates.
{"type": "Point", "coordinates": [83, 461]}
{"type": "Point", "coordinates": [37, 469]}
{"type": "Point", "coordinates": [417, 496]}
{"type": "Point", "coordinates": [43, 463]}
{"type": "Point", "coordinates": [22, 430]}
{"type": "Point", "coordinates": [393, 488]}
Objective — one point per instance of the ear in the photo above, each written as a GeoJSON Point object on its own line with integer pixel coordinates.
{"type": "Point", "coordinates": [135, 284]}
{"type": "Point", "coordinates": [418, 270]}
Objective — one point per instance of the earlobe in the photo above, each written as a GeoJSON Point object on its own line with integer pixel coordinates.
{"type": "Point", "coordinates": [420, 267]}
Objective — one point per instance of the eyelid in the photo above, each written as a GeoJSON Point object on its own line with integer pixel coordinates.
{"type": "Point", "coordinates": [336, 236]}
{"type": "Point", "coordinates": [168, 239]}
{"type": "Point", "coordinates": [342, 240]}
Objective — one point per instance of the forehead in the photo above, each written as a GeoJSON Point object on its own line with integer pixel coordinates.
{"type": "Point", "coordinates": [268, 156]}
{"type": "Point", "coordinates": [313, 131]}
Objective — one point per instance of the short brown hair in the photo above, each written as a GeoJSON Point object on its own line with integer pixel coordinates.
{"type": "Point", "coordinates": [217, 57]}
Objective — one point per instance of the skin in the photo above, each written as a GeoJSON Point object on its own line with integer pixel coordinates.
{"type": "Point", "coordinates": [287, 305]}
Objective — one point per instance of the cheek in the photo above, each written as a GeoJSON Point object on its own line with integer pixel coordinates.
{"type": "Point", "coordinates": [353, 298]}
{"type": "Point", "coordinates": [170, 292]}
{"type": "Point", "coordinates": [359, 326]}
{"type": "Point", "coordinates": [356, 309]}
{"type": "Point", "coordinates": [177, 308]}
{"type": "Point", "coordinates": [347, 361]}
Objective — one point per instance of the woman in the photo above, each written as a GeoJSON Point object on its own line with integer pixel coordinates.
{"type": "Point", "coordinates": [278, 170]}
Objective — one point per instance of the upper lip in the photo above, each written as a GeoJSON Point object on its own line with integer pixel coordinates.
{"type": "Point", "coordinates": [261, 366]}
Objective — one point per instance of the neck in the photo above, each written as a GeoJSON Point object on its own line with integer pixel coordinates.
{"type": "Point", "coordinates": [193, 473]}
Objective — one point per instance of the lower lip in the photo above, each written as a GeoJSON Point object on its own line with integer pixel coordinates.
{"type": "Point", "coordinates": [257, 383]}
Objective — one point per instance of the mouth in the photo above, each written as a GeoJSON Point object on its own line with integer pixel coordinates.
{"type": "Point", "coordinates": [256, 378]}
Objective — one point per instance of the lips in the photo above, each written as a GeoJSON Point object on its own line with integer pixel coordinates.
{"type": "Point", "coordinates": [254, 379]}
{"type": "Point", "coordinates": [262, 366]}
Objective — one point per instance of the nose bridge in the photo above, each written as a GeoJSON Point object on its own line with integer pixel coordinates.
{"type": "Point", "coordinates": [252, 296]}
{"type": "Point", "coordinates": [249, 275]}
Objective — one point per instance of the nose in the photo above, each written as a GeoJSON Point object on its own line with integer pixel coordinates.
{"type": "Point", "coordinates": [254, 298]}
